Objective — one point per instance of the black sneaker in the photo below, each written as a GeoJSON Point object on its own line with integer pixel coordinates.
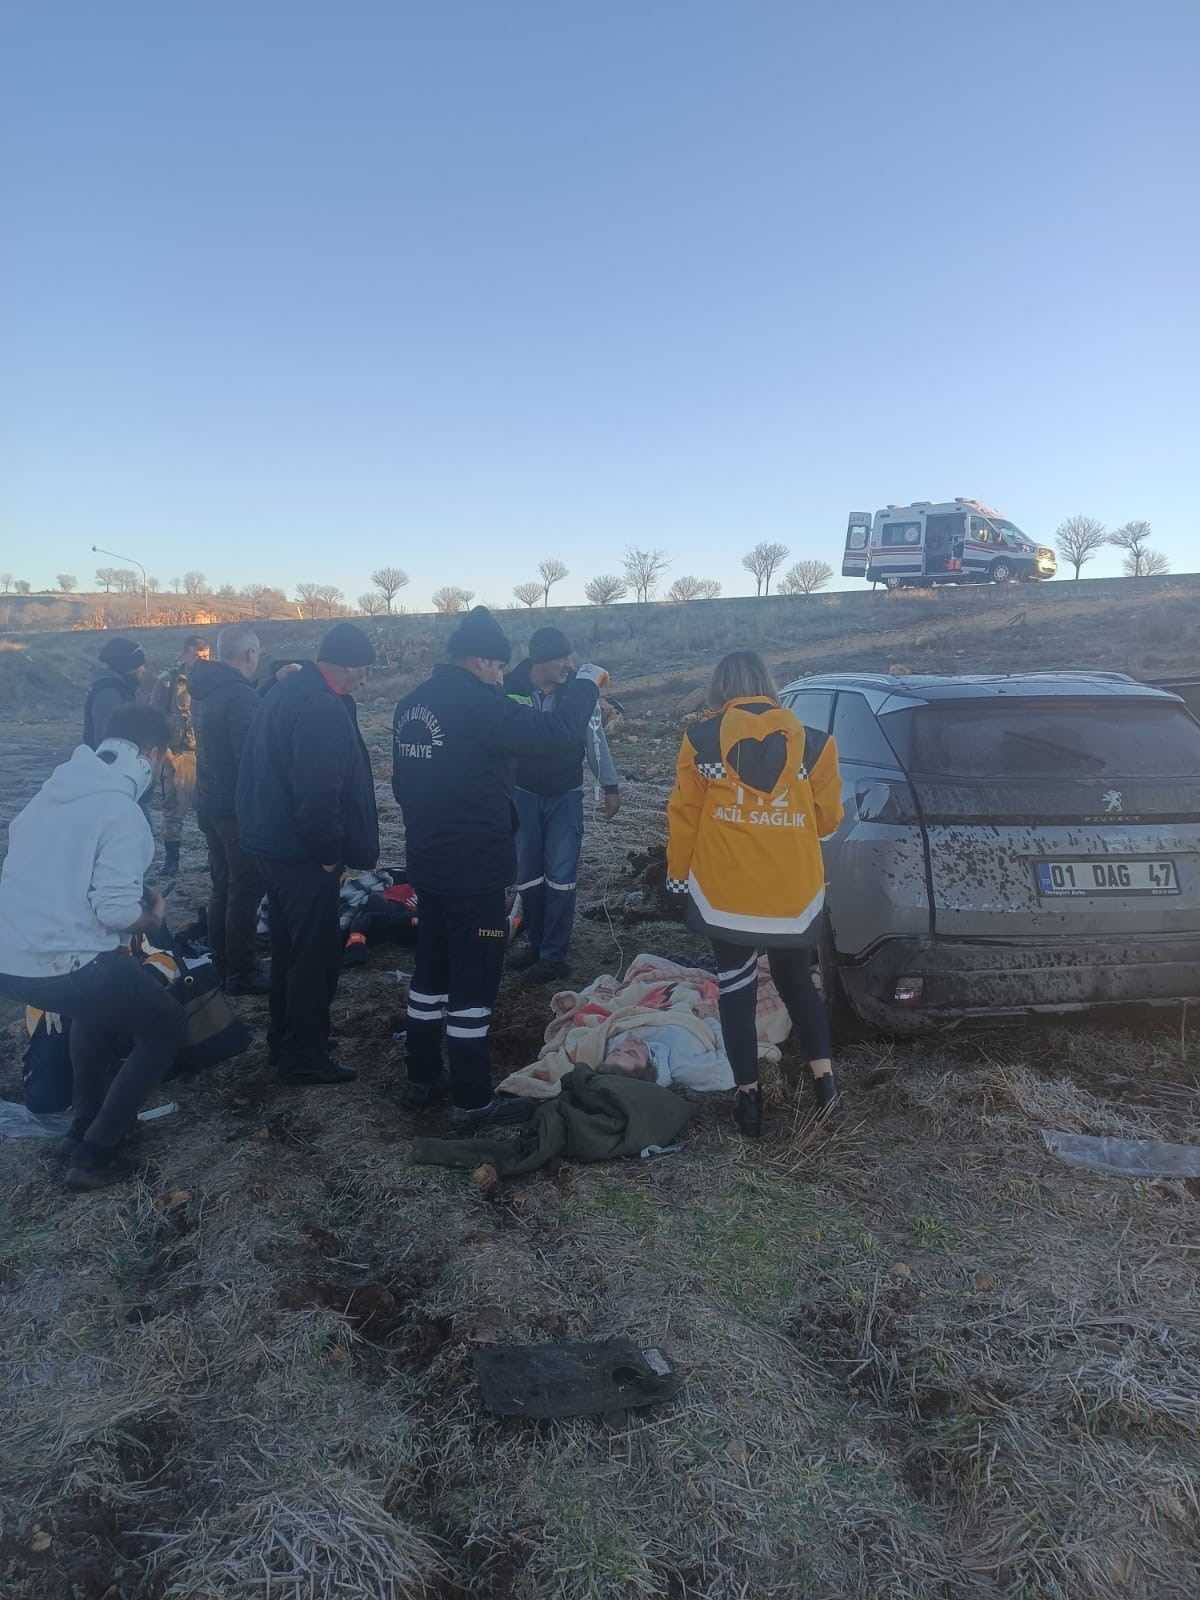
{"type": "Point", "coordinates": [96, 1166]}
{"type": "Point", "coordinates": [747, 1112]}
{"type": "Point", "coordinates": [494, 1115]}
{"type": "Point", "coordinates": [416, 1096]}
{"type": "Point", "coordinates": [546, 972]}
{"type": "Point", "coordinates": [521, 959]}
{"type": "Point", "coordinates": [320, 1070]}
{"type": "Point", "coordinates": [255, 983]}
{"type": "Point", "coordinates": [828, 1096]}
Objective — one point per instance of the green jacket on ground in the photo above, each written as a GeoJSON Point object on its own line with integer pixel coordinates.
{"type": "Point", "coordinates": [597, 1116]}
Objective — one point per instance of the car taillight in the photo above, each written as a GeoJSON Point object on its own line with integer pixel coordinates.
{"type": "Point", "coordinates": [883, 801]}
{"type": "Point", "coordinates": [908, 991]}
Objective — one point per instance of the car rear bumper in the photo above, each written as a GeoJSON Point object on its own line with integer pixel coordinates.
{"type": "Point", "coordinates": [991, 980]}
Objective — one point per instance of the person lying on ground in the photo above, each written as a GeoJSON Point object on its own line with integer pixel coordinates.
{"type": "Point", "coordinates": [454, 739]}
{"type": "Point", "coordinates": [72, 895]}
{"type": "Point", "coordinates": [671, 1056]}
{"type": "Point", "coordinates": [661, 1014]}
{"type": "Point", "coordinates": [755, 793]}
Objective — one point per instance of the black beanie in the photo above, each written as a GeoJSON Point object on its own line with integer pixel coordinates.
{"type": "Point", "coordinates": [123, 655]}
{"type": "Point", "coordinates": [346, 646]}
{"type": "Point", "coordinates": [548, 644]}
{"type": "Point", "coordinates": [479, 634]}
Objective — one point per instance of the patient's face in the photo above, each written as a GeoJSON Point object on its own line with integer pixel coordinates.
{"type": "Point", "coordinates": [627, 1055]}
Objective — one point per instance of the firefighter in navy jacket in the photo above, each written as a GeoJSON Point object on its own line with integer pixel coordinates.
{"type": "Point", "coordinates": [454, 741]}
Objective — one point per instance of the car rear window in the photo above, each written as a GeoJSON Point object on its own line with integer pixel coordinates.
{"type": "Point", "coordinates": [1056, 739]}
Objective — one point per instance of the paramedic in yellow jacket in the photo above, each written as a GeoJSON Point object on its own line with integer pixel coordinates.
{"type": "Point", "coordinates": [755, 793]}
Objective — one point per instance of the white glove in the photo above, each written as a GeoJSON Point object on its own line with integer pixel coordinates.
{"type": "Point", "coordinates": [591, 673]}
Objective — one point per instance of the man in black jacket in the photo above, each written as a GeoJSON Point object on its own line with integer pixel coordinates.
{"type": "Point", "coordinates": [223, 703]}
{"type": "Point", "coordinates": [454, 741]}
{"type": "Point", "coordinates": [549, 801]}
{"type": "Point", "coordinates": [113, 684]}
{"type": "Point", "coordinates": [306, 809]}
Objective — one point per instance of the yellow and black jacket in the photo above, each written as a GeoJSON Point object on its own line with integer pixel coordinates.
{"type": "Point", "coordinates": [755, 793]}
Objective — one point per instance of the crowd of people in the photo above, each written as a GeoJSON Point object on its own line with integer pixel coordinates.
{"type": "Point", "coordinates": [488, 771]}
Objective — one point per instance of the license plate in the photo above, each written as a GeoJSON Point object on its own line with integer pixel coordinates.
{"type": "Point", "coordinates": [1108, 877]}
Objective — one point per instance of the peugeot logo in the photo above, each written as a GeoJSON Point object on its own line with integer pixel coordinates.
{"type": "Point", "coordinates": [1113, 800]}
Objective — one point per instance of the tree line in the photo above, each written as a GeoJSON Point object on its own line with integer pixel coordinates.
{"type": "Point", "coordinates": [1079, 538]}
{"type": "Point", "coordinates": [642, 573]}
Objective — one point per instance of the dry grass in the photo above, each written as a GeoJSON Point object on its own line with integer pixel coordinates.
{"type": "Point", "coordinates": [921, 1358]}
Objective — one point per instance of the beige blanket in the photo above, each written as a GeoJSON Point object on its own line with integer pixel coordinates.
{"type": "Point", "coordinates": [654, 993]}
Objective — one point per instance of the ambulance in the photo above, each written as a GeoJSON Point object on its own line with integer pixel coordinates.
{"type": "Point", "coordinates": [947, 541]}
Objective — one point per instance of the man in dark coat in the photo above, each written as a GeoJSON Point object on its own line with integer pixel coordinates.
{"type": "Point", "coordinates": [454, 742]}
{"type": "Point", "coordinates": [223, 703]}
{"type": "Point", "coordinates": [114, 683]}
{"type": "Point", "coordinates": [306, 809]}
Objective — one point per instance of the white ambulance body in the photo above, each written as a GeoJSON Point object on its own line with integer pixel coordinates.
{"type": "Point", "coordinates": [948, 541]}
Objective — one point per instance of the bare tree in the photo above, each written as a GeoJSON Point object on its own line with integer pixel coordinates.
{"type": "Point", "coordinates": [307, 596]}
{"type": "Point", "coordinates": [127, 580]}
{"type": "Point", "coordinates": [374, 603]}
{"type": "Point", "coordinates": [553, 571]}
{"type": "Point", "coordinates": [106, 577]}
{"type": "Point", "coordinates": [528, 593]}
{"type": "Point", "coordinates": [806, 577]}
{"type": "Point", "coordinates": [1078, 539]}
{"type": "Point", "coordinates": [153, 585]}
{"type": "Point", "coordinates": [451, 599]}
{"type": "Point", "coordinates": [6, 581]}
{"type": "Point", "coordinates": [762, 562]}
{"type": "Point", "coordinates": [1154, 564]}
{"type": "Point", "coordinates": [1134, 539]}
{"type": "Point", "coordinates": [683, 590]}
{"type": "Point", "coordinates": [602, 591]}
{"type": "Point", "coordinates": [643, 569]}
{"type": "Point", "coordinates": [177, 585]}
{"type": "Point", "coordinates": [254, 594]}
{"type": "Point", "coordinates": [194, 583]}
{"type": "Point", "coordinates": [710, 589]}
{"type": "Point", "coordinates": [21, 586]}
{"type": "Point", "coordinates": [330, 596]}
{"type": "Point", "coordinates": [389, 581]}
{"type": "Point", "coordinates": [67, 582]}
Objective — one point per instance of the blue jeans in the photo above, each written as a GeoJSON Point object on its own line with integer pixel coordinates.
{"type": "Point", "coordinates": [549, 839]}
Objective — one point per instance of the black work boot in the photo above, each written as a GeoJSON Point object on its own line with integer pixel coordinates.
{"type": "Point", "coordinates": [521, 959]}
{"type": "Point", "coordinates": [248, 983]}
{"type": "Point", "coordinates": [828, 1097]}
{"type": "Point", "coordinates": [170, 864]}
{"type": "Point", "coordinates": [496, 1114]}
{"type": "Point", "coordinates": [97, 1166]}
{"type": "Point", "coordinates": [543, 971]}
{"type": "Point", "coordinates": [416, 1096]}
{"type": "Point", "coordinates": [307, 1071]}
{"type": "Point", "coordinates": [747, 1112]}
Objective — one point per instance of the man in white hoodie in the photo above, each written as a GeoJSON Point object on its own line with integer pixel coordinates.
{"type": "Point", "coordinates": [72, 895]}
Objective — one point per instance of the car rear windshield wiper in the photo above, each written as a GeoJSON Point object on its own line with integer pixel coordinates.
{"type": "Point", "coordinates": [1097, 763]}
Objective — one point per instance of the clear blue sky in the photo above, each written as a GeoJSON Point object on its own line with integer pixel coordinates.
{"type": "Point", "coordinates": [291, 290]}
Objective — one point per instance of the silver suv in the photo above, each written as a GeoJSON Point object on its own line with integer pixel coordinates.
{"type": "Point", "coordinates": [1012, 845]}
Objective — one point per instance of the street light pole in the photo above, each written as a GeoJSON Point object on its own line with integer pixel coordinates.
{"type": "Point", "coordinates": [101, 551]}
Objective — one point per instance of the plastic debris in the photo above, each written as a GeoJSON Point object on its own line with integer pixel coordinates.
{"type": "Point", "coordinates": [1129, 1158]}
